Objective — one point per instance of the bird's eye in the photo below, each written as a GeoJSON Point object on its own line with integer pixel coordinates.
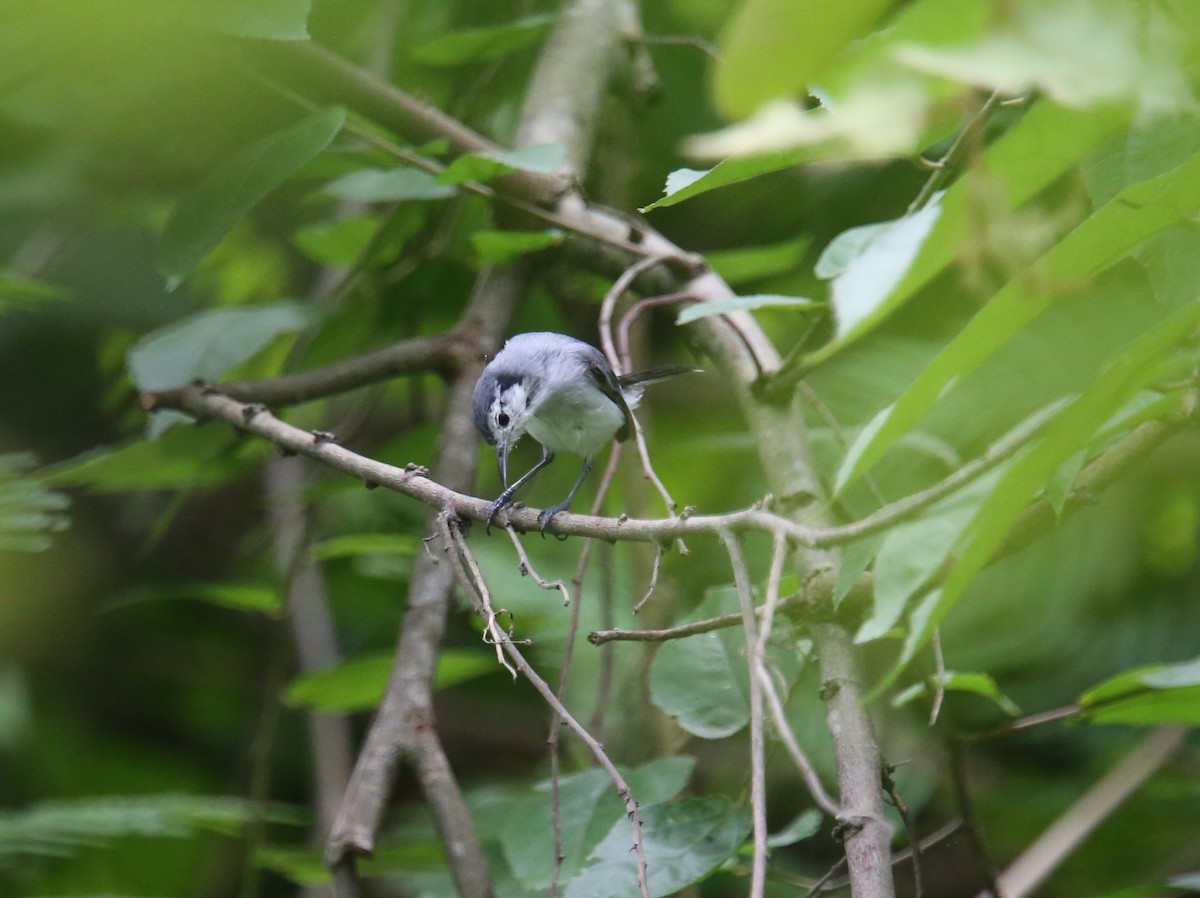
{"type": "Point", "coordinates": [502, 419]}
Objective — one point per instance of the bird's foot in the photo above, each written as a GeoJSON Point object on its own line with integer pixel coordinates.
{"type": "Point", "coordinates": [504, 500]}
{"type": "Point", "coordinates": [546, 514]}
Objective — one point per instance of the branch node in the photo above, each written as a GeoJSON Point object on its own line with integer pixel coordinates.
{"type": "Point", "coordinates": [250, 411]}
{"type": "Point", "coordinates": [370, 484]}
{"type": "Point", "coordinates": [323, 436]}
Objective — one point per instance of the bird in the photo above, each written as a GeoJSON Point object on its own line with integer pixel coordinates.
{"type": "Point", "coordinates": [564, 394]}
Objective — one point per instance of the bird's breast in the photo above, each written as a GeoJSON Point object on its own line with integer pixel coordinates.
{"type": "Point", "coordinates": [580, 420]}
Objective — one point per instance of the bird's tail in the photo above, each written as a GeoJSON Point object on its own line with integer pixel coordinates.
{"type": "Point", "coordinates": [654, 375]}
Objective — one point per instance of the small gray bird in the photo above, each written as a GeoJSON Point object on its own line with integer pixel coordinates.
{"type": "Point", "coordinates": [564, 394]}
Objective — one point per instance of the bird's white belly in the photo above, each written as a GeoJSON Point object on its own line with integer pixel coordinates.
{"type": "Point", "coordinates": [576, 420]}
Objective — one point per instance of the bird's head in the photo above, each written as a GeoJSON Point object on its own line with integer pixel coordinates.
{"type": "Point", "coordinates": [503, 407]}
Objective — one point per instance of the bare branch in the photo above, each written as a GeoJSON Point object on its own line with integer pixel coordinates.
{"type": "Point", "coordinates": [758, 764]}
{"type": "Point", "coordinates": [1063, 836]}
{"type": "Point", "coordinates": [527, 568]}
{"type": "Point", "coordinates": [413, 481]}
{"type": "Point", "coordinates": [473, 582]}
{"type": "Point", "coordinates": [914, 841]}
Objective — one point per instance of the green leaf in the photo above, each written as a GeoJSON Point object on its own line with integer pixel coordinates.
{"type": "Point", "coordinates": [340, 243]}
{"type": "Point", "coordinates": [868, 262]}
{"type": "Point", "coordinates": [29, 511]}
{"type": "Point", "coordinates": [375, 185]}
{"type": "Point", "coordinates": [914, 551]}
{"type": "Point", "coordinates": [703, 681]}
{"type": "Point", "coordinates": [207, 344]}
{"type": "Point", "coordinates": [978, 683]}
{"type": "Point", "coordinates": [483, 44]}
{"type": "Point", "coordinates": [804, 826]}
{"type": "Point", "coordinates": [1076, 53]}
{"type": "Point", "coordinates": [1147, 696]}
{"type": "Point", "coordinates": [751, 263]}
{"type": "Point", "coordinates": [1072, 429]}
{"type": "Point", "coordinates": [1047, 142]}
{"type": "Point", "coordinates": [182, 458]}
{"type": "Point", "coordinates": [1108, 235]}
{"type": "Point", "coordinates": [683, 841]}
{"type": "Point", "coordinates": [699, 310]}
{"type": "Point", "coordinates": [205, 215]}
{"type": "Point", "coordinates": [261, 598]}
{"type": "Point", "coordinates": [856, 558]}
{"type": "Point", "coordinates": [17, 291]}
{"type": "Point", "coordinates": [482, 167]}
{"type": "Point", "coordinates": [358, 684]}
{"type": "Point", "coordinates": [505, 247]}
{"type": "Point", "coordinates": [353, 544]}
{"type": "Point", "coordinates": [589, 809]}
{"type": "Point", "coordinates": [774, 48]}
{"type": "Point", "coordinates": [280, 20]}
{"type": "Point", "coordinates": [56, 828]}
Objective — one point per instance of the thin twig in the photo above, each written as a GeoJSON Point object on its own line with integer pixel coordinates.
{"type": "Point", "coordinates": [758, 785]}
{"type": "Point", "coordinates": [889, 786]}
{"type": "Point", "coordinates": [472, 581]}
{"type": "Point", "coordinates": [608, 306]}
{"type": "Point", "coordinates": [927, 188]}
{"type": "Point", "coordinates": [633, 313]}
{"type": "Point", "coordinates": [767, 618]}
{"type": "Point", "coordinates": [465, 566]}
{"type": "Point", "coordinates": [808, 772]}
{"type": "Point", "coordinates": [939, 677]}
{"type": "Point", "coordinates": [966, 810]}
{"type": "Point", "coordinates": [527, 567]}
{"type": "Point", "coordinates": [658, 555]}
{"type": "Point", "coordinates": [1063, 836]}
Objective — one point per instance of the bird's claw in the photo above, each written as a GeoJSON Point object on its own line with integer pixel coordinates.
{"type": "Point", "coordinates": [495, 510]}
{"type": "Point", "coordinates": [545, 516]}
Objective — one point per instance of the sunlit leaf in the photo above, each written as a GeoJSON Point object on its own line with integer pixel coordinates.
{"type": "Point", "coordinates": [483, 44]}
{"type": "Point", "coordinates": [1137, 213]}
{"type": "Point", "coordinates": [1080, 54]}
{"type": "Point", "coordinates": [207, 344]}
{"type": "Point", "coordinates": [180, 459]}
{"type": "Point", "coordinates": [805, 825]}
{"type": "Point", "coordinates": [1047, 142]}
{"type": "Point", "coordinates": [1028, 474]}
{"type": "Point", "coordinates": [774, 48]}
{"type": "Point", "coordinates": [280, 20]}
{"type": "Point", "coordinates": [870, 263]}
{"type": "Point", "coordinates": [751, 263]}
{"type": "Point", "coordinates": [214, 206]}
{"type": "Point", "coordinates": [340, 243]}
{"type": "Point", "coordinates": [870, 121]}
{"type": "Point", "coordinates": [1148, 696]}
{"type": "Point", "coordinates": [913, 551]}
{"type": "Point", "coordinates": [686, 183]}
{"type": "Point", "coordinates": [699, 310]}
{"type": "Point", "coordinates": [683, 842]}
{"type": "Point", "coordinates": [376, 185]}
{"type": "Point", "coordinates": [954, 681]}
{"type": "Point", "coordinates": [58, 828]}
{"type": "Point", "coordinates": [349, 545]}
{"type": "Point", "coordinates": [257, 597]}
{"type": "Point", "coordinates": [505, 247]}
{"type": "Point", "coordinates": [358, 684]}
{"type": "Point", "coordinates": [18, 292]}
{"type": "Point", "coordinates": [486, 166]}
{"type": "Point", "coordinates": [29, 511]}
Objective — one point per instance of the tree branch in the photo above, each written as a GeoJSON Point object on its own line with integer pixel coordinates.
{"type": "Point", "coordinates": [1063, 836]}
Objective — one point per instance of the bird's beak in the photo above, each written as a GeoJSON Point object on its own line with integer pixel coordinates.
{"type": "Point", "coordinates": [502, 461]}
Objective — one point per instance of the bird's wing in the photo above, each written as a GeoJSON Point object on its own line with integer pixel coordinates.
{"type": "Point", "coordinates": [604, 379]}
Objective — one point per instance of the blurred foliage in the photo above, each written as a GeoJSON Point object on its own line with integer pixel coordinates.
{"type": "Point", "coordinates": [955, 219]}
